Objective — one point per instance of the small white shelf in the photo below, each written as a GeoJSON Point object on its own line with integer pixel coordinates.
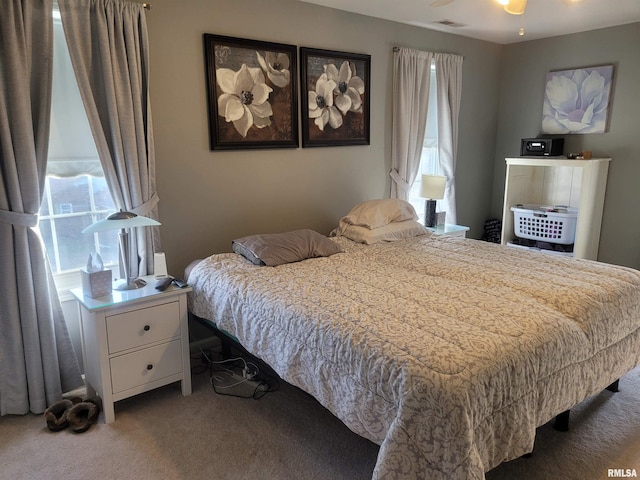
{"type": "Point", "coordinates": [559, 181]}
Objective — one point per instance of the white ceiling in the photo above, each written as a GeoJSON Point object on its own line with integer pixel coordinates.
{"type": "Point", "coordinates": [486, 19]}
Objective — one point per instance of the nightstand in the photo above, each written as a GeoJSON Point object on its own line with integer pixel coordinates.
{"type": "Point", "coordinates": [134, 341]}
{"type": "Point", "coordinates": [449, 229]}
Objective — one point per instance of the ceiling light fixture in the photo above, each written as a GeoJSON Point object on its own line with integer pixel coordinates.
{"type": "Point", "coordinates": [514, 7]}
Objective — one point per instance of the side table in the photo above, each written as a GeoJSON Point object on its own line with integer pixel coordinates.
{"type": "Point", "coordinates": [449, 229]}
{"type": "Point", "coordinates": [134, 341]}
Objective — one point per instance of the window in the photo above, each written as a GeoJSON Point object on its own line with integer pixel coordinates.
{"type": "Point", "coordinates": [429, 161]}
{"type": "Point", "coordinates": [76, 192]}
{"type": "Point", "coordinates": [69, 205]}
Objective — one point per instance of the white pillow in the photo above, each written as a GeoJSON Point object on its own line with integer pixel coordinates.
{"type": "Point", "coordinates": [387, 233]}
{"type": "Point", "coordinates": [378, 213]}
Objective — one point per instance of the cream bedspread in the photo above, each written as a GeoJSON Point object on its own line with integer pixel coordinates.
{"type": "Point", "coordinates": [447, 352]}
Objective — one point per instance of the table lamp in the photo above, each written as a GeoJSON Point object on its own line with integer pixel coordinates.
{"type": "Point", "coordinates": [432, 188]}
{"type": "Point", "coordinates": [123, 221]}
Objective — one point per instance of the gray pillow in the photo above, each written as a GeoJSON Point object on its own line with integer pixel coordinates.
{"type": "Point", "coordinates": [274, 249]}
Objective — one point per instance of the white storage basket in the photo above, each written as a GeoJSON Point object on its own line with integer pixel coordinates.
{"type": "Point", "coordinates": [554, 224]}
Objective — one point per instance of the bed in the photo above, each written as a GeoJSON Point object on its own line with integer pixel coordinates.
{"type": "Point", "coordinates": [447, 352]}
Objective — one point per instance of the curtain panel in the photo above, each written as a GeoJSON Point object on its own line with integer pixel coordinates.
{"type": "Point", "coordinates": [449, 86]}
{"type": "Point", "coordinates": [411, 80]}
{"type": "Point", "coordinates": [37, 360]}
{"type": "Point", "coordinates": [109, 49]}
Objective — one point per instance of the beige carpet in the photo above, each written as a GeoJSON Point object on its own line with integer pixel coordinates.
{"type": "Point", "coordinates": [285, 435]}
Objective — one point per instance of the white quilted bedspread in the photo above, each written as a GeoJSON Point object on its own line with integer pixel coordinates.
{"type": "Point", "coordinates": [447, 352]}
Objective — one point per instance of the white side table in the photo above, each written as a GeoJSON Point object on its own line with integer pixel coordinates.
{"type": "Point", "coordinates": [449, 229]}
{"type": "Point", "coordinates": [134, 341]}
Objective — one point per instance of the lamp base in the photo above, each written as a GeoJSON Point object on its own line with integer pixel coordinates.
{"type": "Point", "coordinates": [131, 284]}
{"type": "Point", "coordinates": [430, 213]}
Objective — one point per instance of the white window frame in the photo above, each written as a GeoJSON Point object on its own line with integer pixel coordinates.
{"type": "Point", "coordinates": [430, 157]}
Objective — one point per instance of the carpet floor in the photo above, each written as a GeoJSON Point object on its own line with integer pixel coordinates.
{"type": "Point", "coordinates": [286, 435]}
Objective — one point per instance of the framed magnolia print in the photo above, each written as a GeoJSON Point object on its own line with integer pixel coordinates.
{"type": "Point", "coordinates": [335, 97]}
{"type": "Point", "coordinates": [251, 93]}
{"type": "Point", "coordinates": [578, 100]}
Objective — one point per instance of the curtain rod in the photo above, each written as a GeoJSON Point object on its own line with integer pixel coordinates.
{"type": "Point", "coordinates": [147, 6]}
{"type": "Point", "coordinates": [397, 49]}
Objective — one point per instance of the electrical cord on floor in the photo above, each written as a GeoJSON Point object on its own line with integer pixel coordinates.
{"type": "Point", "coordinates": [236, 377]}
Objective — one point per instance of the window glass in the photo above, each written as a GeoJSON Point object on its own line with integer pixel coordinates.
{"type": "Point", "coordinates": [101, 196]}
{"type": "Point", "coordinates": [69, 195]}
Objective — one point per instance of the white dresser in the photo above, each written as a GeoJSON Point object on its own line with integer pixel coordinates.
{"type": "Point", "coordinates": [134, 341]}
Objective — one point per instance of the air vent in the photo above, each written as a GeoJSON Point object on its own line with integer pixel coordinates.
{"type": "Point", "coordinates": [451, 23]}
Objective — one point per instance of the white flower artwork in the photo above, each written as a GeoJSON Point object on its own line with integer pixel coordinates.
{"type": "Point", "coordinates": [577, 101]}
{"type": "Point", "coordinates": [335, 97]}
{"type": "Point", "coordinates": [251, 93]}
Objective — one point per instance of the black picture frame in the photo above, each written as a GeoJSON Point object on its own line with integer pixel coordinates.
{"type": "Point", "coordinates": [342, 117]}
{"type": "Point", "coordinates": [240, 73]}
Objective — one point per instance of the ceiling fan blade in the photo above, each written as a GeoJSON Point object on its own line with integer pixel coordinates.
{"type": "Point", "coordinates": [440, 3]}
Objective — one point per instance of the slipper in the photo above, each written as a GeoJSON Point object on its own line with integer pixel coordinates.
{"type": "Point", "coordinates": [56, 414]}
{"type": "Point", "coordinates": [82, 415]}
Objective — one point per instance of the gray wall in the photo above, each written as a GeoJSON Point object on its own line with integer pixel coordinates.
{"type": "Point", "coordinates": [524, 70]}
{"type": "Point", "coordinates": [208, 198]}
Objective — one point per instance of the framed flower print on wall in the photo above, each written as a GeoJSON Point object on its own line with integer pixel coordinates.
{"type": "Point", "coordinates": [251, 93]}
{"type": "Point", "coordinates": [335, 97]}
{"type": "Point", "coordinates": [578, 100]}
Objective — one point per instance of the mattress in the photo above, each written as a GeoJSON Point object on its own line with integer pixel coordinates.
{"type": "Point", "coordinates": [447, 352]}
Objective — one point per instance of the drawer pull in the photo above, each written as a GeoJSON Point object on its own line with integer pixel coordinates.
{"type": "Point", "coordinates": [149, 367]}
{"type": "Point", "coordinates": [147, 328]}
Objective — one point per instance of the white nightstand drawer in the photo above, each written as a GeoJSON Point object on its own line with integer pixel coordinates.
{"type": "Point", "coordinates": [145, 366]}
{"type": "Point", "coordinates": [142, 327]}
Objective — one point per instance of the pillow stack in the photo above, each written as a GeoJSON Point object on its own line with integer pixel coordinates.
{"type": "Point", "coordinates": [384, 220]}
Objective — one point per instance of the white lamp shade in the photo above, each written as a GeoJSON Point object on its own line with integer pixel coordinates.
{"type": "Point", "coordinates": [120, 220]}
{"type": "Point", "coordinates": [432, 186]}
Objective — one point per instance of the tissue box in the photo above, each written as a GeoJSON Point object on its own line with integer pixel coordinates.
{"type": "Point", "coordinates": [96, 284]}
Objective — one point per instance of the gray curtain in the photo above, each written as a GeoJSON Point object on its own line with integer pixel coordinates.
{"type": "Point", "coordinates": [411, 81]}
{"type": "Point", "coordinates": [37, 361]}
{"type": "Point", "coordinates": [109, 49]}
